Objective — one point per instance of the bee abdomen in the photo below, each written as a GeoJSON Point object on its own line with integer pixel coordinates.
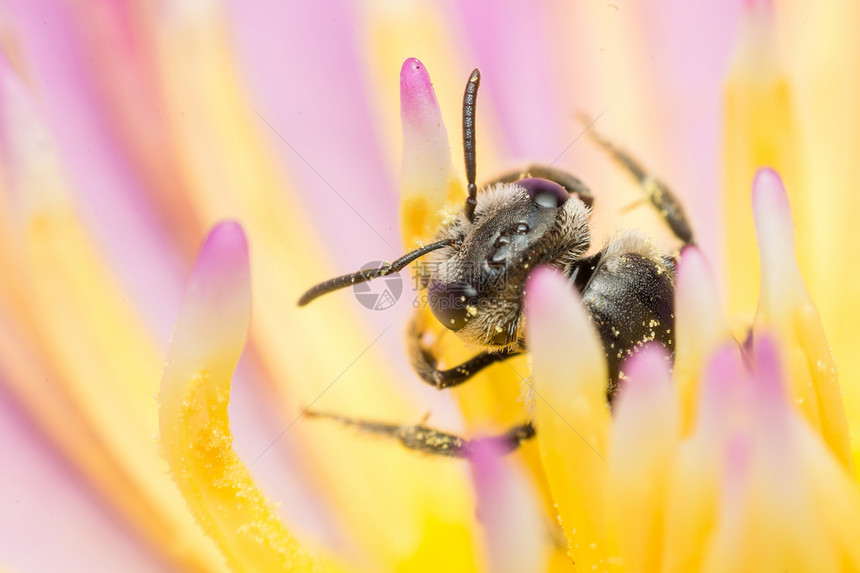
{"type": "Point", "coordinates": [631, 301]}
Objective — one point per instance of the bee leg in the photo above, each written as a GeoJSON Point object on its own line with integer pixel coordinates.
{"type": "Point", "coordinates": [657, 192]}
{"type": "Point", "coordinates": [425, 363]}
{"type": "Point", "coordinates": [572, 184]}
{"type": "Point", "coordinates": [431, 441]}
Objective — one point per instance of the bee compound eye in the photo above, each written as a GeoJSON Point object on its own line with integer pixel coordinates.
{"type": "Point", "coordinates": [452, 304]}
{"type": "Point", "coordinates": [546, 193]}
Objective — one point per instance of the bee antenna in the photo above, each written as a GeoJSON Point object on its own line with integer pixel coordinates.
{"type": "Point", "coordinates": [470, 98]}
{"type": "Point", "coordinates": [365, 275]}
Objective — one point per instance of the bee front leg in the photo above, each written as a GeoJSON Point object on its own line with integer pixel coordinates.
{"type": "Point", "coordinates": [425, 363]}
{"type": "Point", "coordinates": [431, 441]}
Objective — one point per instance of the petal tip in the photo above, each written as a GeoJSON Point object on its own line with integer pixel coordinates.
{"type": "Point", "coordinates": [410, 66]}
{"type": "Point", "coordinates": [691, 257]}
{"type": "Point", "coordinates": [225, 248]}
{"type": "Point", "coordinates": [539, 282]}
{"type": "Point", "coordinates": [652, 360]}
{"type": "Point", "coordinates": [542, 287]}
{"type": "Point", "coordinates": [767, 177]}
{"type": "Point", "coordinates": [417, 97]}
{"type": "Point", "coordinates": [774, 225]}
{"type": "Point", "coordinates": [769, 190]}
{"type": "Point", "coordinates": [690, 250]}
{"type": "Point", "coordinates": [414, 74]}
{"type": "Point", "coordinates": [693, 272]}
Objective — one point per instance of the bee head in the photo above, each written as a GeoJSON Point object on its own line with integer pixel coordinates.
{"type": "Point", "coordinates": [476, 286]}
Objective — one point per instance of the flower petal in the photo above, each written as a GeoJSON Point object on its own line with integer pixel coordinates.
{"type": "Point", "coordinates": [571, 411]}
{"type": "Point", "coordinates": [407, 514]}
{"type": "Point", "coordinates": [82, 363]}
{"type": "Point", "coordinates": [822, 53]}
{"type": "Point", "coordinates": [113, 201]}
{"type": "Point", "coordinates": [516, 56]}
{"type": "Point", "coordinates": [699, 328]}
{"type": "Point", "coordinates": [760, 130]}
{"type": "Point", "coordinates": [392, 33]}
{"type": "Point", "coordinates": [768, 520]}
{"type": "Point", "coordinates": [691, 510]}
{"type": "Point", "coordinates": [787, 310]}
{"type": "Point", "coordinates": [293, 83]}
{"type": "Point", "coordinates": [54, 518]}
{"type": "Point", "coordinates": [645, 438]}
{"type": "Point", "coordinates": [429, 182]}
{"type": "Point", "coordinates": [510, 510]}
{"type": "Point", "coordinates": [195, 432]}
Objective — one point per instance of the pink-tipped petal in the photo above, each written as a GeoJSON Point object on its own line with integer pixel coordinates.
{"type": "Point", "coordinates": [781, 281]}
{"type": "Point", "coordinates": [194, 423]}
{"type": "Point", "coordinates": [768, 519]}
{"type": "Point", "coordinates": [566, 343]}
{"type": "Point", "coordinates": [786, 310]}
{"type": "Point", "coordinates": [216, 307]}
{"type": "Point", "coordinates": [428, 181]}
{"type": "Point", "coordinates": [570, 380]}
{"type": "Point", "coordinates": [419, 109]}
{"type": "Point", "coordinates": [510, 512]}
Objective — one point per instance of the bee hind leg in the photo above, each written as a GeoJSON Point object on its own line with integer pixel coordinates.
{"type": "Point", "coordinates": [431, 441]}
{"type": "Point", "coordinates": [658, 193]}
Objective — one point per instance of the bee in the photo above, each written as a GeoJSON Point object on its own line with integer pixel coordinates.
{"type": "Point", "coordinates": [475, 270]}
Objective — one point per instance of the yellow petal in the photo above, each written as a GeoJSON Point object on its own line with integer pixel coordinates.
{"type": "Point", "coordinates": [77, 355]}
{"type": "Point", "coordinates": [787, 310]}
{"type": "Point", "coordinates": [691, 510]}
{"type": "Point", "coordinates": [822, 52]}
{"type": "Point", "coordinates": [760, 130]}
{"type": "Point", "coordinates": [571, 412]}
{"type": "Point", "coordinates": [699, 328]}
{"type": "Point", "coordinates": [645, 439]}
{"type": "Point", "coordinates": [403, 516]}
{"type": "Point", "coordinates": [194, 426]}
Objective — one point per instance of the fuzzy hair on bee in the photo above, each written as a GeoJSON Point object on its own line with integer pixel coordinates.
{"type": "Point", "coordinates": [475, 270]}
{"type": "Point", "coordinates": [475, 285]}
